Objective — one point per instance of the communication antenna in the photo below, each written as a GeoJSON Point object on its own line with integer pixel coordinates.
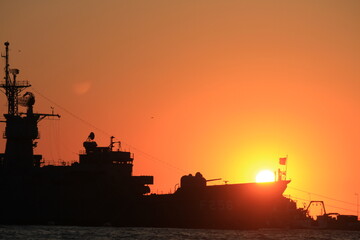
{"type": "Point", "coordinates": [11, 86]}
{"type": "Point", "coordinates": [112, 143]}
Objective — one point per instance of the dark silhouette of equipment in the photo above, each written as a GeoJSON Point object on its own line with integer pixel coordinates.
{"type": "Point", "coordinates": [316, 203]}
{"type": "Point", "coordinates": [91, 136]}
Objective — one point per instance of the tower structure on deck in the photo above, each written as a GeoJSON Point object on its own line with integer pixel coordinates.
{"type": "Point", "coordinates": [21, 128]}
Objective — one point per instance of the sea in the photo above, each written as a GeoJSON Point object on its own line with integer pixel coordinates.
{"type": "Point", "coordinates": [103, 233]}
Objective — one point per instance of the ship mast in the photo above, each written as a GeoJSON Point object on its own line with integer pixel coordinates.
{"type": "Point", "coordinates": [21, 128]}
{"type": "Point", "coordinates": [11, 86]}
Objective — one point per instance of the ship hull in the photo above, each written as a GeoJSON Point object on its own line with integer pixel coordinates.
{"type": "Point", "coordinates": [236, 206]}
{"type": "Point", "coordinates": [39, 199]}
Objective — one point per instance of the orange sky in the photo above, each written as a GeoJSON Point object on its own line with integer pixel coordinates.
{"type": "Point", "coordinates": [220, 87]}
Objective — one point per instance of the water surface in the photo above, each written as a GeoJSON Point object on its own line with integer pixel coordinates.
{"type": "Point", "coordinates": [104, 233]}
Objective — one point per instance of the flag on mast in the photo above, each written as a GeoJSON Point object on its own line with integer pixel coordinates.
{"type": "Point", "coordinates": [282, 161]}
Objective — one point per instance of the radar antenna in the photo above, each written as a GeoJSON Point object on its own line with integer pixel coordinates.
{"type": "Point", "coordinates": [91, 137]}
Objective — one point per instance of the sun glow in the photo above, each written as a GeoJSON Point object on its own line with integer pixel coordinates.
{"type": "Point", "coordinates": [265, 176]}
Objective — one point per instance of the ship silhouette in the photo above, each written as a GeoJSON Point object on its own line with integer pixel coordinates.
{"type": "Point", "coordinates": [100, 189]}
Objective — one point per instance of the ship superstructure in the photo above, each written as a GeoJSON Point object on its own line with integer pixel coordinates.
{"type": "Point", "coordinates": [21, 129]}
{"type": "Point", "coordinates": [83, 193]}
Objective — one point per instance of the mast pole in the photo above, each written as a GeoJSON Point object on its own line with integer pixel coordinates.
{"type": "Point", "coordinates": [357, 205]}
{"type": "Point", "coordinates": [286, 166]}
{"type": "Point", "coordinates": [8, 91]}
{"type": "Point", "coordinates": [7, 63]}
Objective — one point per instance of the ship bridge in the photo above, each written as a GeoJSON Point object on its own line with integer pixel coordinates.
{"type": "Point", "coordinates": [119, 163]}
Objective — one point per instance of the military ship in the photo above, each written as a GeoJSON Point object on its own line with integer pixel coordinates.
{"type": "Point", "coordinates": [100, 188]}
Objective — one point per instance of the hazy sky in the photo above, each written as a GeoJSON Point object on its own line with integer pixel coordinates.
{"type": "Point", "coordinates": [220, 87]}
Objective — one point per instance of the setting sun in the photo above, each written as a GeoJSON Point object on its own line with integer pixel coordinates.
{"type": "Point", "coordinates": [265, 176]}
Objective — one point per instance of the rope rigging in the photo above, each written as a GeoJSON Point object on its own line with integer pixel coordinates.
{"type": "Point", "coordinates": [109, 135]}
